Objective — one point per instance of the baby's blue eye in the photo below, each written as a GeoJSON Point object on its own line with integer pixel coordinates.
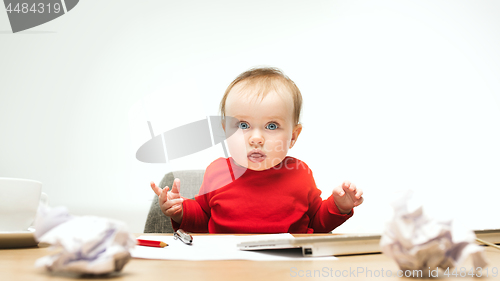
{"type": "Point", "coordinates": [272, 126]}
{"type": "Point", "coordinates": [243, 125]}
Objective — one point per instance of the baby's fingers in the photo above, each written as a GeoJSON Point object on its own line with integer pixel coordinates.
{"type": "Point", "coordinates": [163, 196]}
{"type": "Point", "coordinates": [343, 188]}
{"type": "Point", "coordinates": [175, 210]}
{"type": "Point", "coordinates": [176, 186]}
{"type": "Point", "coordinates": [352, 190]}
{"type": "Point", "coordinates": [171, 203]}
{"type": "Point", "coordinates": [172, 207]}
{"type": "Point", "coordinates": [358, 202]}
{"type": "Point", "coordinates": [346, 185]}
{"type": "Point", "coordinates": [340, 192]}
{"type": "Point", "coordinates": [155, 188]}
{"type": "Point", "coordinates": [359, 193]}
{"type": "Point", "coordinates": [349, 186]}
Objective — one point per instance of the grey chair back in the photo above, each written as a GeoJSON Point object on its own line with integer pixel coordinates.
{"type": "Point", "coordinates": [191, 180]}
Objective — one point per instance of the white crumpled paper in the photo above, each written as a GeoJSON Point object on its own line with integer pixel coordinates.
{"type": "Point", "coordinates": [418, 242]}
{"type": "Point", "coordinates": [87, 244]}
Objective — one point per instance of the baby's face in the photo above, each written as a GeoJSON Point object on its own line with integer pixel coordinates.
{"type": "Point", "coordinates": [264, 129]}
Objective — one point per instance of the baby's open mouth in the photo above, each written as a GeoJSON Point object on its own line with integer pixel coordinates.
{"type": "Point", "coordinates": [256, 156]}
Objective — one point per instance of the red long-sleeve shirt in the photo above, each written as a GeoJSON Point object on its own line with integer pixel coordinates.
{"type": "Point", "coordinates": [277, 200]}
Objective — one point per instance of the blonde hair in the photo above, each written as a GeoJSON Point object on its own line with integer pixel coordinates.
{"type": "Point", "coordinates": [264, 80]}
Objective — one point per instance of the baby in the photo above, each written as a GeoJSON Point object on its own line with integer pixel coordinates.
{"type": "Point", "coordinates": [259, 189]}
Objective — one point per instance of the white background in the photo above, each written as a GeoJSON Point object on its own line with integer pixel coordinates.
{"type": "Point", "coordinates": [397, 95]}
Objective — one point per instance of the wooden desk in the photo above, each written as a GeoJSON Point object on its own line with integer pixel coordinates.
{"type": "Point", "coordinates": [18, 264]}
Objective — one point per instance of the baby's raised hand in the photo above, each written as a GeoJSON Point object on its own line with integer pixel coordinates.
{"type": "Point", "coordinates": [347, 196]}
{"type": "Point", "coordinates": [170, 201]}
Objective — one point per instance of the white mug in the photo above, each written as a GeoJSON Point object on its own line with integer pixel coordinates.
{"type": "Point", "coordinates": [19, 200]}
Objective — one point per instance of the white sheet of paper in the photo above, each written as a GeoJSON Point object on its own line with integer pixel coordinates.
{"type": "Point", "coordinates": [218, 247]}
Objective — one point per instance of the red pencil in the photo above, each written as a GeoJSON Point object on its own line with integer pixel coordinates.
{"type": "Point", "coordinates": [151, 243]}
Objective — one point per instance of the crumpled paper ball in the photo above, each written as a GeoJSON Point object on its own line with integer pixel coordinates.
{"type": "Point", "coordinates": [417, 241]}
{"type": "Point", "coordinates": [86, 244]}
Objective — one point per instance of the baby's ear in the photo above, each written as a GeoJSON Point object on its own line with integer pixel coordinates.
{"type": "Point", "coordinates": [296, 131]}
{"type": "Point", "coordinates": [295, 134]}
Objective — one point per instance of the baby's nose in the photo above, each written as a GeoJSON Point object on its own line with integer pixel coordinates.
{"type": "Point", "coordinates": [256, 139]}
